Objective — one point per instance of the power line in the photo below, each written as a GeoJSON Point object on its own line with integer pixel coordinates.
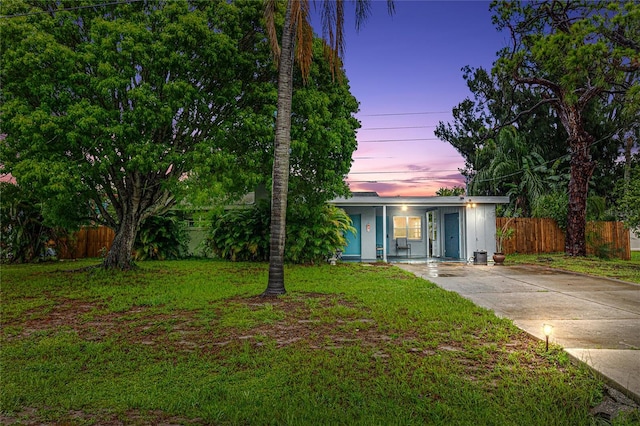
{"type": "Point", "coordinates": [425, 179]}
{"type": "Point", "coordinates": [370, 158]}
{"type": "Point", "coordinates": [396, 128]}
{"type": "Point", "coordinates": [406, 113]}
{"type": "Point", "coordinates": [402, 171]}
{"type": "Point", "coordinates": [545, 163]}
{"type": "Point", "coordinates": [69, 8]}
{"type": "Point", "coordinates": [399, 140]}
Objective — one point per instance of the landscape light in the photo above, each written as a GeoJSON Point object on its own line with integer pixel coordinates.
{"type": "Point", "coordinates": [547, 329]}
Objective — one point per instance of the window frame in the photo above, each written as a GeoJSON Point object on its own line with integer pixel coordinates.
{"type": "Point", "coordinates": [411, 233]}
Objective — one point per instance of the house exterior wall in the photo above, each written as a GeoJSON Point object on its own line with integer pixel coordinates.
{"type": "Point", "coordinates": [367, 235]}
{"type": "Point", "coordinates": [480, 229]}
{"type": "Point", "coordinates": [476, 230]}
{"type": "Point", "coordinates": [418, 246]}
{"type": "Point", "coordinates": [459, 225]}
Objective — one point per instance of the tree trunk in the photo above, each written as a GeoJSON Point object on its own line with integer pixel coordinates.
{"type": "Point", "coordinates": [581, 170]}
{"type": "Point", "coordinates": [280, 177]}
{"type": "Point", "coordinates": [119, 255]}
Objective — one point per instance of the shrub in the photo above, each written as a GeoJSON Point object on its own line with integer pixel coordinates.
{"type": "Point", "coordinates": [312, 234]}
{"type": "Point", "coordinates": [554, 206]}
{"type": "Point", "coordinates": [161, 238]}
{"type": "Point", "coordinates": [240, 234]}
{"type": "Point", "coordinates": [25, 237]}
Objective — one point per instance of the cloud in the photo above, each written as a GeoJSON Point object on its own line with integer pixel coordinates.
{"type": "Point", "coordinates": [408, 186]}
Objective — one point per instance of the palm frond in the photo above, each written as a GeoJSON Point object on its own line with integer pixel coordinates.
{"type": "Point", "coordinates": [270, 12]}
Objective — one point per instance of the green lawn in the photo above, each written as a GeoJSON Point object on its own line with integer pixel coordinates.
{"type": "Point", "coordinates": [188, 342]}
{"type": "Point", "coordinates": [626, 270]}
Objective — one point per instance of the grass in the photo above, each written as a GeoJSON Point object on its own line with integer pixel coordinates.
{"type": "Point", "coordinates": [626, 270]}
{"type": "Point", "coordinates": [188, 342]}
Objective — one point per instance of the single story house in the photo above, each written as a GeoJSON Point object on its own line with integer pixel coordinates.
{"type": "Point", "coordinates": [395, 228]}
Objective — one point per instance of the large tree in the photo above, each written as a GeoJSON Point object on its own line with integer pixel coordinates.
{"type": "Point", "coordinates": [572, 54]}
{"type": "Point", "coordinates": [234, 157]}
{"type": "Point", "coordinates": [296, 41]}
{"type": "Point", "coordinates": [323, 135]}
{"type": "Point", "coordinates": [114, 103]}
{"type": "Point", "coordinates": [477, 122]}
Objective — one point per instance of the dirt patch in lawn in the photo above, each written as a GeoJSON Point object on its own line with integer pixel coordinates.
{"type": "Point", "coordinates": [315, 321]}
{"type": "Point", "coordinates": [309, 320]}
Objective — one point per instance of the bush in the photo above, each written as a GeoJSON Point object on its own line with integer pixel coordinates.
{"type": "Point", "coordinates": [554, 206]}
{"type": "Point", "coordinates": [313, 235]}
{"type": "Point", "coordinates": [240, 234]}
{"type": "Point", "coordinates": [161, 238]}
{"type": "Point", "coordinates": [25, 237]}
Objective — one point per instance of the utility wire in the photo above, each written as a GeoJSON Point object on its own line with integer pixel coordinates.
{"type": "Point", "coordinates": [399, 140]}
{"type": "Point", "coordinates": [405, 113]}
{"type": "Point", "coordinates": [396, 128]}
{"type": "Point", "coordinates": [424, 179]}
{"type": "Point", "coordinates": [403, 171]}
{"type": "Point", "coordinates": [371, 158]}
{"type": "Point", "coordinates": [545, 163]}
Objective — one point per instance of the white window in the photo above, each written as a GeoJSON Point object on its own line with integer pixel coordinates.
{"type": "Point", "coordinates": [407, 227]}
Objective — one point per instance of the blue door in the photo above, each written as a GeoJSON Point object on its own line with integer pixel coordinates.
{"type": "Point", "coordinates": [353, 240]}
{"type": "Point", "coordinates": [452, 235]}
{"type": "Point", "coordinates": [379, 237]}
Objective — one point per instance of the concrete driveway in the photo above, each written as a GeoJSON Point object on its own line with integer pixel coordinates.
{"type": "Point", "coordinates": [596, 320]}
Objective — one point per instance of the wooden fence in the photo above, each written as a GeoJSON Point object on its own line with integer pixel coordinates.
{"type": "Point", "coordinates": [540, 235]}
{"type": "Point", "coordinates": [532, 236]}
{"type": "Point", "coordinates": [87, 242]}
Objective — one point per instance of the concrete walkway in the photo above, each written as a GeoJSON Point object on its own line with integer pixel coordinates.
{"type": "Point", "coordinates": [596, 320]}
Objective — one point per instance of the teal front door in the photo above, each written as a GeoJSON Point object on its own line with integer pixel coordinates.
{"type": "Point", "coordinates": [353, 240]}
{"type": "Point", "coordinates": [379, 238]}
{"type": "Point", "coordinates": [452, 235]}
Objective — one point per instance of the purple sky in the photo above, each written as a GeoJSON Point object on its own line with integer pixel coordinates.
{"type": "Point", "coordinates": [405, 70]}
{"type": "Point", "coordinates": [410, 64]}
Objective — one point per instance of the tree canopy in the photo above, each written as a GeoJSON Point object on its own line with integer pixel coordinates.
{"type": "Point", "coordinates": [567, 87]}
{"type": "Point", "coordinates": [112, 112]}
{"type": "Point", "coordinates": [573, 55]}
{"type": "Point", "coordinates": [117, 101]}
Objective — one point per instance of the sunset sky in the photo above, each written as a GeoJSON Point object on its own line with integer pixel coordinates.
{"type": "Point", "coordinates": [405, 70]}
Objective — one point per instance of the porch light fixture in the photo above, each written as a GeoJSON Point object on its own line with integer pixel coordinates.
{"type": "Point", "coordinates": [471, 204]}
{"type": "Point", "coordinates": [404, 207]}
{"type": "Point", "coordinates": [547, 329]}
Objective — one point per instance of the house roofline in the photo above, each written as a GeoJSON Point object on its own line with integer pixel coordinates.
{"type": "Point", "coordinates": [458, 201]}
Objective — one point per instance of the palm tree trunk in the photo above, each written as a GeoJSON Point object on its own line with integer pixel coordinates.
{"type": "Point", "coordinates": [280, 177]}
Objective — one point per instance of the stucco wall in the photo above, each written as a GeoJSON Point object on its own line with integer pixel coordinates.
{"type": "Point", "coordinates": [480, 228]}
{"type": "Point", "coordinates": [367, 238]}
{"type": "Point", "coordinates": [418, 247]}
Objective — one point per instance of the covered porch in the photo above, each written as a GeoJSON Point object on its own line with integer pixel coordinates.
{"type": "Point", "coordinates": [419, 229]}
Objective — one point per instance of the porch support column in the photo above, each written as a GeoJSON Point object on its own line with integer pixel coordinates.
{"type": "Point", "coordinates": [384, 234]}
